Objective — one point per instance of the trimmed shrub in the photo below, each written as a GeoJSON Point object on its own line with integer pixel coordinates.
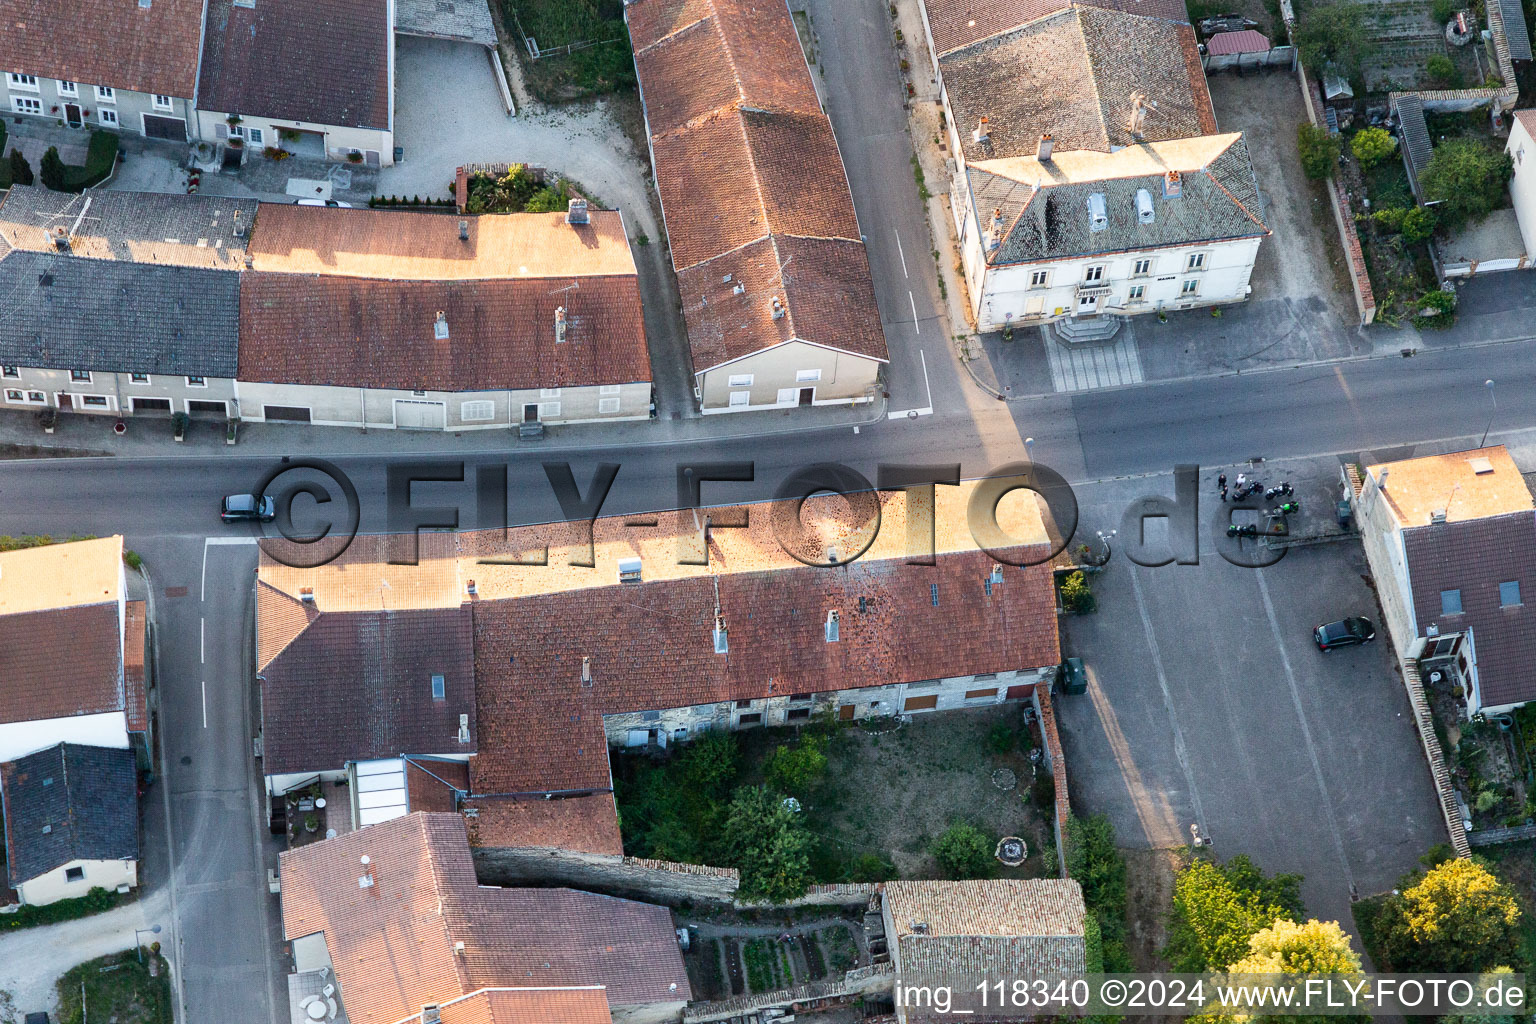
{"type": "Point", "coordinates": [1319, 151]}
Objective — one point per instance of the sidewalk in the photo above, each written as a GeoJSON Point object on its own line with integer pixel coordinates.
{"type": "Point", "coordinates": [87, 435]}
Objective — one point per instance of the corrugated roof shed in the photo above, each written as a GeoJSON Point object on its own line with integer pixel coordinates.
{"type": "Point", "coordinates": [1416, 146]}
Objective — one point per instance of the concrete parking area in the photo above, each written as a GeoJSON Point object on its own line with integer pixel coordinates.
{"type": "Point", "coordinates": [1208, 703]}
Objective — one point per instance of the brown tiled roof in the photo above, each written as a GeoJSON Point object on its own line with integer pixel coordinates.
{"type": "Point", "coordinates": [405, 245]}
{"type": "Point", "coordinates": [989, 926]}
{"type": "Point", "coordinates": [589, 823]}
{"type": "Point", "coordinates": [135, 634]}
{"type": "Point", "coordinates": [392, 943]}
{"type": "Point", "coordinates": [280, 618]}
{"type": "Point", "coordinates": [353, 332]}
{"type": "Point", "coordinates": [61, 662]}
{"type": "Point", "coordinates": [334, 61]}
{"type": "Point", "coordinates": [744, 154]}
{"type": "Point", "coordinates": [358, 685]}
{"type": "Point", "coordinates": [1462, 485]}
{"type": "Point", "coordinates": [956, 23]}
{"type": "Point", "coordinates": [1475, 556]}
{"type": "Point", "coordinates": [530, 1006]}
{"type": "Point", "coordinates": [541, 726]}
{"type": "Point", "coordinates": [1072, 75]}
{"type": "Point", "coordinates": [149, 49]}
{"type": "Point", "coordinates": [430, 784]}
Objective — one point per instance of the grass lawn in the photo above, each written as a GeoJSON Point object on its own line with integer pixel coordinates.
{"type": "Point", "coordinates": [116, 988]}
{"type": "Point", "coordinates": [605, 67]}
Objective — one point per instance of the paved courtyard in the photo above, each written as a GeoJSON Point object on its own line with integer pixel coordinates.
{"type": "Point", "coordinates": [1209, 703]}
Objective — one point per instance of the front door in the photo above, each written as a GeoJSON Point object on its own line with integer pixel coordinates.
{"type": "Point", "coordinates": [1087, 304]}
{"type": "Point", "coordinates": [845, 713]}
{"type": "Point", "coordinates": [66, 400]}
{"type": "Point", "coordinates": [530, 413]}
{"type": "Point", "coordinates": [807, 396]}
{"type": "Point", "coordinates": [72, 115]}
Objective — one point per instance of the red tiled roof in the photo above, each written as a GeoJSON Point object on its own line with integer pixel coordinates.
{"type": "Point", "coordinates": [357, 332]}
{"type": "Point", "coordinates": [61, 662]}
{"type": "Point", "coordinates": [589, 824]}
{"type": "Point", "coordinates": [149, 48]}
{"type": "Point", "coordinates": [744, 154]}
{"type": "Point", "coordinates": [430, 784]}
{"type": "Point", "coordinates": [651, 646]}
{"type": "Point", "coordinates": [135, 633]}
{"type": "Point", "coordinates": [1246, 41]}
{"type": "Point", "coordinates": [530, 1006]}
{"type": "Point", "coordinates": [392, 943]}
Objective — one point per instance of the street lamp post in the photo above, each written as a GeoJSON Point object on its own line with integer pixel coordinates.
{"type": "Point", "coordinates": [1491, 412]}
{"type": "Point", "coordinates": [1029, 450]}
{"type": "Point", "coordinates": [153, 930]}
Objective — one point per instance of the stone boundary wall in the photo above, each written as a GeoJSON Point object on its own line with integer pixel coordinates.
{"type": "Point", "coordinates": [1343, 217]}
{"type": "Point", "coordinates": [1423, 718]}
{"type": "Point", "coordinates": [841, 894]}
{"type": "Point", "coordinates": [857, 982]}
{"type": "Point", "coordinates": [1056, 761]}
{"type": "Point", "coordinates": [654, 881]}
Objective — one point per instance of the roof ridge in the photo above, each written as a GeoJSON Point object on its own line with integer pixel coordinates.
{"type": "Point", "coordinates": [435, 870]}
{"type": "Point", "coordinates": [1206, 170]}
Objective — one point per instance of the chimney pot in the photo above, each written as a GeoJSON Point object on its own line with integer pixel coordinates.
{"type": "Point", "coordinates": [307, 594]}
{"type": "Point", "coordinates": [440, 326]}
{"type": "Point", "coordinates": [576, 212]}
{"type": "Point", "coordinates": [1043, 152]}
{"type": "Point", "coordinates": [472, 588]}
{"type": "Point", "coordinates": [559, 324]}
{"type": "Point", "coordinates": [980, 136]}
{"type": "Point", "coordinates": [463, 230]}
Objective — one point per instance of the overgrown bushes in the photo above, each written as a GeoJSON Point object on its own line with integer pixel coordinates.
{"type": "Point", "coordinates": [1098, 866]}
{"type": "Point", "coordinates": [517, 191]}
{"type": "Point", "coordinates": [29, 916]}
{"type": "Point", "coordinates": [1319, 150]}
{"type": "Point", "coordinates": [964, 851]}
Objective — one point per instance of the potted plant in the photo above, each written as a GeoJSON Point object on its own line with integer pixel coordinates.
{"type": "Point", "coordinates": [311, 823]}
{"type": "Point", "coordinates": [354, 157]}
{"type": "Point", "coordinates": [120, 428]}
{"type": "Point", "coordinates": [49, 418]}
{"type": "Point", "coordinates": [230, 429]}
{"type": "Point", "coordinates": [233, 119]}
{"type": "Point", "coordinates": [179, 425]}
{"type": "Point", "coordinates": [236, 142]}
{"type": "Point", "coordinates": [53, 109]}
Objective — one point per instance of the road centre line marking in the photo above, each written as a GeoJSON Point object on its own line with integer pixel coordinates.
{"type": "Point", "coordinates": [902, 253]}
{"type": "Point", "coordinates": [202, 640]}
{"type": "Point", "coordinates": [205, 703]}
{"type": "Point", "coordinates": [915, 324]}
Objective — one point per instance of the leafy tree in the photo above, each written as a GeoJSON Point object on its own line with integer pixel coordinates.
{"type": "Point", "coordinates": [52, 170]}
{"type": "Point", "coordinates": [1372, 145]}
{"type": "Point", "coordinates": [964, 852]}
{"type": "Point", "coordinates": [507, 194]}
{"type": "Point", "coordinates": [1444, 10]}
{"type": "Point", "coordinates": [1286, 947]}
{"type": "Point", "coordinates": [1337, 33]}
{"type": "Point", "coordinates": [546, 200]}
{"type": "Point", "coordinates": [796, 768]}
{"type": "Point", "coordinates": [768, 844]}
{"type": "Point", "coordinates": [1319, 150]}
{"type": "Point", "coordinates": [1442, 72]}
{"type": "Point", "coordinates": [1217, 908]}
{"type": "Point", "coordinates": [21, 171]}
{"type": "Point", "coordinates": [1097, 864]}
{"type": "Point", "coordinates": [871, 867]}
{"type": "Point", "coordinates": [1467, 176]}
{"type": "Point", "coordinates": [1488, 979]}
{"type": "Point", "coordinates": [1418, 225]}
{"type": "Point", "coordinates": [1457, 917]}
{"type": "Point", "coordinates": [1077, 594]}
{"type": "Point", "coordinates": [709, 762]}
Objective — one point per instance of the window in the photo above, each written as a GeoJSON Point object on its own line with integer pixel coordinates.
{"type": "Point", "coordinates": [439, 688]}
{"type": "Point", "coordinates": [1196, 261]}
{"type": "Point", "coordinates": [94, 401]}
{"type": "Point", "coordinates": [933, 594]}
{"type": "Point", "coordinates": [106, 94]}
{"type": "Point", "coordinates": [1142, 268]}
{"type": "Point", "coordinates": [741, 380]}
{"type": "Point", "coordinates": [197, 382]}
{"type": "Point", "coordinates": [1450, 602]}
{"type": "Point", "coordinates": [74, 874]}
{"type": "Point", "coordinates": [477, 412]}
{"type": "Point", "coordinates": [1092, 274]}
{"type": "Point", "coordinates": [26, 105]}
{"type": "Point", "coordinates": [237, 131]}
{"type": "Point", "coordinates": [1138, 292]}
{"type": "Point", "coordinates": [740, 398]}
{"type": "Point", "coordinates": [799, 696]}
{"type": "Point", "coordinates": [1509, 594]}
{"type": "Point", "coordinates": [162, 102]}
{"type": "Point", "coordinates": [1039, 278]}
{"type": "Point", "coordinates": [69, 89]}
{"type": "Point", "coordinates": [258, 137]}
{"type": "Point", "coordinates": [980, 694]}
{"type": "Point", "coordinates": [80, 376]}
{"type": "Point", "coordinates": [797, 713]}
{"type": "Point", "coordinates": [12, 371]}
{"type": "Point", "coordinates": [753, 719]}
{"type": "Point", "coordinates": [608, 405]}
{"type": "Point", "coordinates": [17, 395]}
{"type": "Point", "coordinates": [1190, 288]}
{"type": "Point", "coordinates": [807, 376]}
{"type": "Point", "coordinates": [611, 389]}
{"type": "Point", "coordinates": [27, 82]}
{"type": "Point", "coordinates": [549, 392]}
{"type": "Point", "coordinates": [743, 704]}
{"type": "Point", "coordinates": [549, 410]}
{"type": "Point", "coordinates": [832, 626]}
{"type": "Point", "coordinates": [107, 116]}
{"type": "Point", "coordinates": [138, 378]}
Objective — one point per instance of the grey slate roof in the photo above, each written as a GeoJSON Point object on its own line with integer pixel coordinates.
{"type": "Point", "coordinates": [67, 312]}
{"type": "Point", "coordinates": [68, 803]}
{"type": "Point", "coordinates": [1417, 148]}
{"type": "Point", "coordinates": [142, 227]}
{"type": "Point", "coordinates": [1516, 30]}
{"type": "Point", "coordinates": [464, 20]}
{"type": "Point", "coordinates": [1218, 202]}
{"type": "Point", "coordinates": [1475, 556]}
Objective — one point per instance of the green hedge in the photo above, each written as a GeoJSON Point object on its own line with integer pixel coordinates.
{"type": "Point", "coordinates": [99, 159]}
{"type": "Point", "coordinates": [28, 916]}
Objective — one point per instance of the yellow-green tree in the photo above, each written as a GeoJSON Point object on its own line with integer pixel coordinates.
{"type": "Point", "coordinates": [1217, 908]}
{"type": "Point", "coordinates": [1286, 947]}
{"type": "Point", "coordinates": [1458, 917]}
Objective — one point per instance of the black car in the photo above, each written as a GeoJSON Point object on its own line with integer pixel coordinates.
{"type": "Point", "coordinates": [1344, 633]}
{"type": "Point", "coordinates": [247, 508]}
{"type": "Point", "coordinates": [37, 1018]}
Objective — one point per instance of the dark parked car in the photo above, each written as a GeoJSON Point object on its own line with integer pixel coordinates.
{"type": "Point", "coordinates": [247, 508]}
{"type": "Point", "coordinates": [37, 1018]}
{"type": "Point", "coordinates": [1344, 633]}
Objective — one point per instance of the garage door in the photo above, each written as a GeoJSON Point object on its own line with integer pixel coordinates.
{"type": "Point", "coordinates": [173, 128]}
{"type": "Point", "coordinates": [285, 413]}
{"type": "Point", "coordinates": [927, 703]}
{"type": "Point", "coordinates": [411, 415]}
{"type": "Point", "coordinates": [151, 405]}
{"type": "Point", "coordinates": [205, 405]}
